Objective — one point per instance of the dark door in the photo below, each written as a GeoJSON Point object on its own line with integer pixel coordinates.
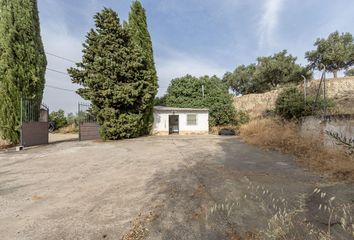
{"type": "Point", "coordinates": [173, 123]}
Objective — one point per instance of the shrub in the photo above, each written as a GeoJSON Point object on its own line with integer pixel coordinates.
{"type": "Point", "coordinates": [58, 118]}
{"type": "Point", "coordinates": [160, 101]}
{"type": "Point", "coordinates": [72, 119]}
{"type": "Point", "coordinates": [241, 117]}
{"type": "Point", "coordinates": [291, 104]}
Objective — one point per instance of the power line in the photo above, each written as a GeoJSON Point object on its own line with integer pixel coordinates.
{"type": "Point", "coordinates": [63, 58]}
{"type": "Point", "coordinates": [59, 88]}
{"type": "Point", "coordinates": [57, 71]}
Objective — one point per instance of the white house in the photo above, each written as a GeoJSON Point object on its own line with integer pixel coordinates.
{"type": "Point", "coordinates": [183, 121]}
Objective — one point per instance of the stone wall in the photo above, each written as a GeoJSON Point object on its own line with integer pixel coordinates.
{"type": "Point", "coordinates": [256, 104]}
{"type": "Point", "coordinates": [340, 89]}
{"type": "Point", "coordinates": [316, 127]}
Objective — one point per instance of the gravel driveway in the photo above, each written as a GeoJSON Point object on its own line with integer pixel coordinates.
{"type": "Point", "coordinates": [153, 188]}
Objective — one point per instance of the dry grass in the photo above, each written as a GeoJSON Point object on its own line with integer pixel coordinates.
{"type": "Point", "coordinates": [5, 144]}
{"type": "Point", "coordinates": [289, 221]}
{"type": "Point", "coordinates": [286, 137]}
{"type": "Point", "coordinates": [139, 228]}
{"type": "Point", "coordinates": [68, 129]}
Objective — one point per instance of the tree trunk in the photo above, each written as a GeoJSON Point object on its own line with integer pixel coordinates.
{"type": "Point", "coordinates": [335, 73]}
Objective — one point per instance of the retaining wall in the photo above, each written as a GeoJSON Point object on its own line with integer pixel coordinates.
{"type": "Point", "coordinates": [340, 89]}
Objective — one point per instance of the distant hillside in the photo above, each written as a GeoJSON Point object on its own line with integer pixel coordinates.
{"type": "Point", "coordinates": [340, 89]}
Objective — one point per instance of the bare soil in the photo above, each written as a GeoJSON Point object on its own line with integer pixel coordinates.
{"type": "Point", "coordinates": [62, 137]}
{"type": "Point", "coordinates": [151, 188]}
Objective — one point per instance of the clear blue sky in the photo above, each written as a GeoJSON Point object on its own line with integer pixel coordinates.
{"type": "Point", "coordinates": [193, 36]}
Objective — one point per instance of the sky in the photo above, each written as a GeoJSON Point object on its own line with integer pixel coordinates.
{"type": "Point", "coordinates": [198, 37]}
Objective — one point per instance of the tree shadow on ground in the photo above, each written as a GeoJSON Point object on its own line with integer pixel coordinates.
{"type": "Point", "coordinates": [181, 202]}
{"type": "Point", "coordinates": [194, 200]}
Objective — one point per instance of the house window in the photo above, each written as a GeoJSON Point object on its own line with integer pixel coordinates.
{"type": "Point", "coordinates": [191, 119]}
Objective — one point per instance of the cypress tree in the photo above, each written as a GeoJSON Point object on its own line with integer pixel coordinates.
{"type": "Point", "coordinates": [115, 78]}
{"type": "Point", "coordinates": [22, 62]}
{"type": "Point", "coordinates": [137, 24]}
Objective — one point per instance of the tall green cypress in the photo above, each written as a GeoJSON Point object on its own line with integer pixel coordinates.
{"type": "Point", "coordinates": [115, 78]}
{"type": "Point", "coordinates": [22, 62]}
{"type": "Point", "coordinates": [138, 26]}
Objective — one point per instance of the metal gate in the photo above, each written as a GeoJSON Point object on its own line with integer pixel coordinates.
{"type": "Point", "coordinates": [34, 122]}
{"type": "Point", "coordinates": [88, 127]}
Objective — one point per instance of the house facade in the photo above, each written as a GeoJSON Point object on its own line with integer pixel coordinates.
{"type": "Point", "coordinates": [182, 121]}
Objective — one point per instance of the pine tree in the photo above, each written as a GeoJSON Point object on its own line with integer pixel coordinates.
{"type": "Point", "coordinates": [22, 62]}
{"type": "Point", "coordinates": [139, 29]}
{"type": "Point", "coordinates": [115, 78]}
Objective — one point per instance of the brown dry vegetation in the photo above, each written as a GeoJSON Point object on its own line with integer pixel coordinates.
{"type": "Point", "coordinates": [5, 144]}
{"type": "Point", "coordinates": [139, 228]}
{"type": "Point", "coordinates": [68, 129]}
{"type": "Point", "coordinates": [286, 137]}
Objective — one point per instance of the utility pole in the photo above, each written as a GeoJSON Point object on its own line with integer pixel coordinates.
{"type": "Point", "coordinates": [203, 90]}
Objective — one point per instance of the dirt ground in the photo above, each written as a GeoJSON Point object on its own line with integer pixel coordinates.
{"type": "Point", "coordinates": [61, 137]}
{"type": "Point", "coordinates": [154, 188]}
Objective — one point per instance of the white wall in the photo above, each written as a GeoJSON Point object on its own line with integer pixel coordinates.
{"type": "Point", "coordinates": [161, 122]}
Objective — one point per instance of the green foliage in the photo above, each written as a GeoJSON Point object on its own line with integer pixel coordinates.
{"type": "Point", "coordinates": [186, 92]}
{"type": "Point", "coordinates": [269, 72]}
{"type": "Point", "coordinates": [279, 69]}
{"type": "Point", "coordinates": [160, 101]}
{"type": "Point", "coordinates": [72, 119]}
{"type": "Point", "coordinates": [242, 80]}
{"type": "Point", "coordinates": [342, 141]}
{"type": "Point", "coordinates": [138, 27]}
{"type": "Point", "coordinates": [58, 118]}
{"type": "Point", "coordinates": [349, 73]}
{"type": "Point", "coordinates": [116, 78]}
{"type": "Point", "coordinates": [335, 53]}
{"type": "Point", "coordinates": [22, 62]}
{"type": "Point", "coordinates": [291, 104]}
{"type": "Point", "coordinates": [241, 117]}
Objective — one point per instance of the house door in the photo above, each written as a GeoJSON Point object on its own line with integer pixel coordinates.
{"type": "Point", "coordinates": [173, 123]}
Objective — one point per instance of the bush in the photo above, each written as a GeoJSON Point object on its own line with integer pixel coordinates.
{"type": "Point", "coordinates": [58, 118]}
{"type": "Point", "coordinates": [160, 101]}
{"type": "Point", "coordinates": [241, 117]}
{"type": "Point", "coordinates": [72, 119]}
{"type": "Point", "coordinates": [291, 104]}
